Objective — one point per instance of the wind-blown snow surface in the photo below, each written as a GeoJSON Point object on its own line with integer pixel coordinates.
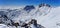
{"type": "Point", "coordinates": [50, 20]}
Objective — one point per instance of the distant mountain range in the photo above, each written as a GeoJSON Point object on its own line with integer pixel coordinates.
{"type": "Point", "coordinates": [15, 16]}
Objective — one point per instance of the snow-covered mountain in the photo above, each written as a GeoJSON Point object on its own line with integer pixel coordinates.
{"type": "Point", "coordinates": [44, 16]}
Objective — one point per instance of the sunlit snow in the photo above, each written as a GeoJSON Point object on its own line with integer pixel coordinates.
{"type": "Point", "coordinates": [48, 17]}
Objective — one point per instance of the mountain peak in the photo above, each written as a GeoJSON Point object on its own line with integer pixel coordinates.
{"type": "Point", "coordinates": [43, 4]}
{"type": "Point", "coordinates": [29, 8]}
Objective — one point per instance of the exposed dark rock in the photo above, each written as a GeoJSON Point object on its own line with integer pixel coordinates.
{"type": "Point", "coordinates": [43, 4]}
{"type": "Point", "coordinates": [29, 8]}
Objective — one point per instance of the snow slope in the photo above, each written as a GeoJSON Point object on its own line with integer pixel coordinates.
{"type": "Point", "coordinates": [50, 19]}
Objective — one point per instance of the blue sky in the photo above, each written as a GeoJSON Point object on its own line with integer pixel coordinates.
{"type": "Point", "coordinates": [29, 2]}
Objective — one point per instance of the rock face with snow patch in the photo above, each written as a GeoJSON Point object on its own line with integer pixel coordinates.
{"type": "Point", "coordinates": [44, 8]}
{"type": "Point", "coordinates": [10, 21]}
